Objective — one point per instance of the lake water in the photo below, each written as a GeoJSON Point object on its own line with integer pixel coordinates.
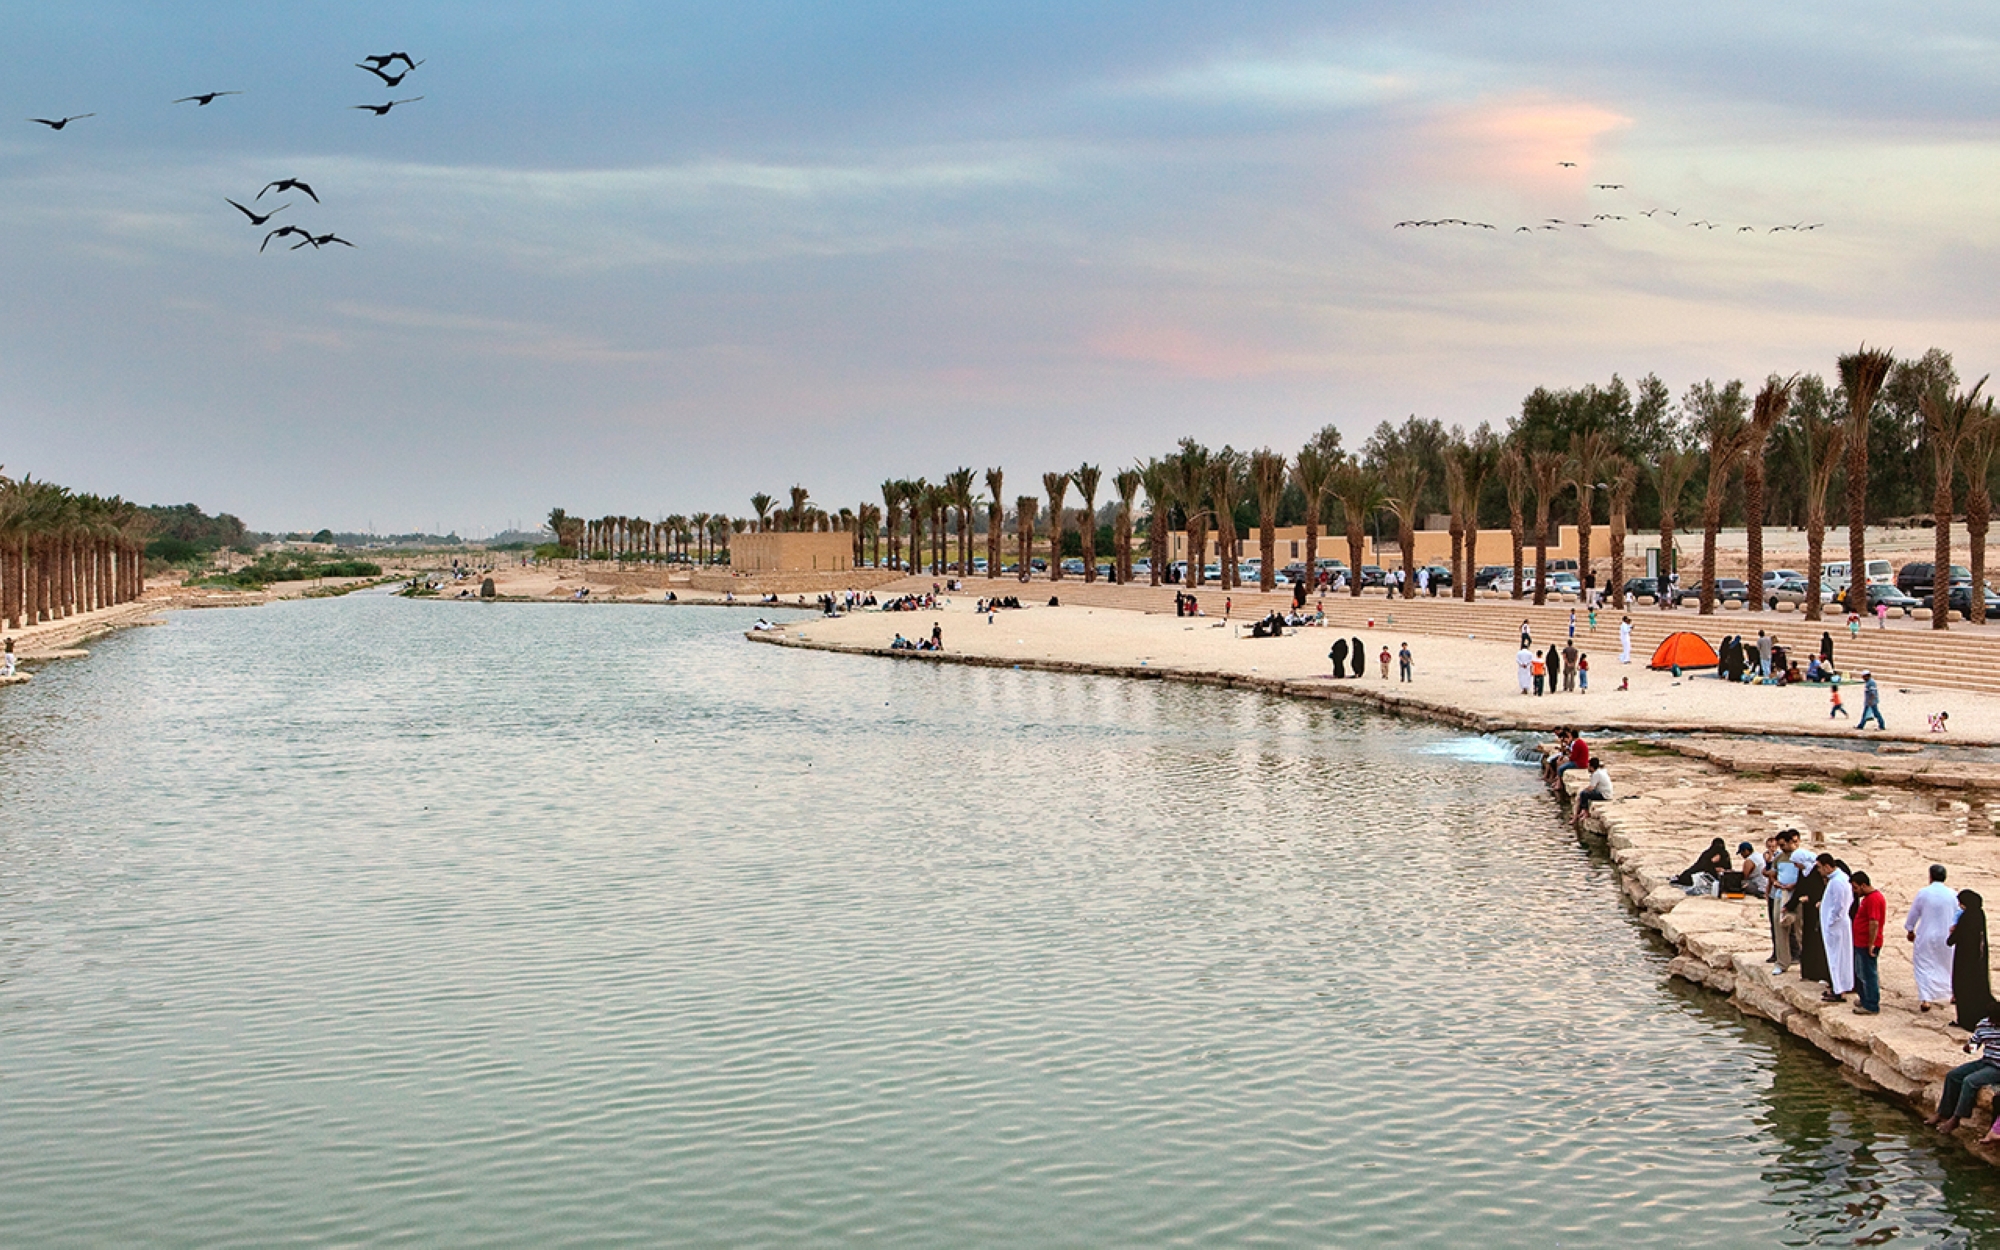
{"type": "Point", "coordinates": [378, 920]}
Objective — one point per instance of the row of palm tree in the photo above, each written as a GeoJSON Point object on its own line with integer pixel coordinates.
{"type": "Point", "coordinates": [1540, 469]}
{"type": "Point", "coordinates": [63, 552]}
{"type": "Point", "coordinates": [699, 536]}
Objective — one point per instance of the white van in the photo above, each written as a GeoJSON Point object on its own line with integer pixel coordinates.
{"type": "Point", "coordinates": [1835, 575]}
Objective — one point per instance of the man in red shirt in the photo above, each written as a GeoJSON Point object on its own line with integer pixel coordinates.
{"type": "Point", "coordinates": [1870, 917]}
{"type": "Point", "coordinates": [1579, 757]}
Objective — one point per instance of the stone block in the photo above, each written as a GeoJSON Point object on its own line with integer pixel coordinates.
{"type": "Point", "coordinates": [1919, 1054]}
{"type": "Point", "coordinates": [1663, 899]}
{"type": "Point", "coordinates": [1890, 1078]}
{"type": "Point", "coordinates": [1802, 995]}
{"type": "Point", "coordinates": [1807, 1028]}
{"type": "Point", "coordinates": [1760, 1001]}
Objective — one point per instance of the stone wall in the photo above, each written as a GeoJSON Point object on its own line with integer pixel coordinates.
{"type": "Point", "coordinates": [721, 581]}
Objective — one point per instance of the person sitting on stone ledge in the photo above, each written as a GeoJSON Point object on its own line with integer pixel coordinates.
{"type": "Point", "coordinates": [1711, 863]}
{"type": "Point", "coordinates": [1963, 1083]}
{"type": "Point", "coordinates": [1599, 790]}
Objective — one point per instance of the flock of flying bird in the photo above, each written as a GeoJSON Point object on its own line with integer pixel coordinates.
{"type": "Point", "coordinates": [1600, 219]}
{"type": "Point", "coordinates": [378, 65]}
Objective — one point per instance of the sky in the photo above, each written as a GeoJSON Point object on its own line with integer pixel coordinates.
{"type": "Point", "coordinates": [646, 258]}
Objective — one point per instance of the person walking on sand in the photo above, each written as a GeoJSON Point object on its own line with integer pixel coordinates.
{"type": "Point", "coordinates": [1541, 672]}
{"type": "Point", "coordinates": [1871, 702]}
{"type": "Point", "coordinates": [1524, 661]}
{"type": "Point", "coordinates": [1569, 654]}
{"type": "Point", "coordinates": [1554, 661]}
{"type": "Point", "coordinates": [1583, 673]}
{"type": "Point", "coordinates": [1835, 930]}
{"type": "Point", "coordinates": [1928, 927]}
{"type": "Point", "coordinates": [1870, 918]}
{"type": "Point", "coordinates": [1527, 639]}
{"type": "Point", "coordinates": [1405, 665]}
{"type": "Point", "coordinates": [1572, 624]}
{"type": "Point", "coordinates": [1625, 641]}
{"type": "Point", "coordinates": [1838, 708]}
{"type": "Point", "coordinates": [1385, 661]}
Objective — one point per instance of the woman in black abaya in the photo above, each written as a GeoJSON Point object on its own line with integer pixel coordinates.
{"type": "Point", "coordinates": [1812, 946]}
{"type": "Point", "coordinates": [1971, 976]}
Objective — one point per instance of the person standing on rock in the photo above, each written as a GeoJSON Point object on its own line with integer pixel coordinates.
{"type": "Point", "coordinates": [1805, 900]}
{"type": "Point", "coordinates": [1783, 874]}
{"type": "Point", "coordinates": [1928, 926]}
{"type": "Point", "coordinates": [1836, 931]}
{"type": "Point", "coordinates": [1871, 916]}
{"type": "Point", "coordinates": [1971, 974]}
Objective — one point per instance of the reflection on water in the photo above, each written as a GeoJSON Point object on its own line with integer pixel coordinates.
{"type": "Point", "coordinates": [374, 919]}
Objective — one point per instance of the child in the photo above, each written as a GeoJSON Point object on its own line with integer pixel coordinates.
{"type": "Point", "coordinates": [1583, 673]}
{"type": "Point", "coordinates": [1838, 708]}
{"type": "Point", "coordinates": [1385, 661]}
{"type": "Point", "coordinates": [1939, 722]}
{"type": "Point", "coordinates": [1854, 625]}
{"type": "Point", "coordinates": [1625, 683]}
{"type": "Point", "coordinates": [1540, 670]}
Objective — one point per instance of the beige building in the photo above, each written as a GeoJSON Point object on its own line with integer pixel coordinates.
{"type": "Point", "coordinates": [791, 553]}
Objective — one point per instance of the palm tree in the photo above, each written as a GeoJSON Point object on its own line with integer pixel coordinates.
{"type": "Point", "coordinates": [1126, 482]}
{"type": "Point", "coordinates": [1477, 459]}
{"type": "Point", "coordinates": [1861, 376]}
{"type": "Point", "coordinates": [1671, 473]}
{"type": "Point", "coordinates": [1545, 474]}
{"type": "Point", "coordinates": [1946, 420]}
{"type": "Point", "coordinates": [1454, 497]}
{"type": "Point", "coordinates": [1225, 487]}
{"type": "Point", "coordinates": [1719, 422]}
{"type": "Point", "coordinates": [558, 524]}
{"type": "Point", "coordinates": [1312, 470]}
{"type": "Point", "coordinates": [699, 521]}
{"type": "Point", "coordinates": [1156, 476]}
{"type": "Point", "coordinates": [798, 510]}
{"type": "Point", "coordinates": [940, 500]}
{"type": "Point", "coordinates": [1024, 530]}
{"type": "Point", "coordinates": [1361, 494]}
{"type": "Point", "coordinates": [1590, 455]}
{"type": "Point", "coordinates": [914, 490]}
{"type": "Point", "coordinates": [1624, 484]}
{"type": "Point", "coordinates": [995, 518]}
{"type": "Point", "coordinates": [1187, 483]}
{"type": "Point", "coordinates": [1086, 479]}
{"type": "Point", "coordinates": [1268, 477]}
{"type": "Point", "coordinates": [760, 503]}
{"type": "Point", "coordinates": [1405, 480]}
{"type": "Point", "coordinates": [892, 508]}
{"type": "Point", "coordinates": [1982, 441]}
{"type": "Point", "coordinates": [1772, 401]}
{"type": "Point", "coordinates": [1513, 468]}
{"type": "Point", "coordinates": [958, 484]}
{"type": "Point", "coordinates": [1056, 485]}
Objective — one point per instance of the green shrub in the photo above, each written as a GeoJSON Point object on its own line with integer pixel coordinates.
{"type": "Point", "coordinates": [1809, 787]}
{"type": "Point", "coordinates": [1856, 777]}
{"type": "Point", "coordinates": [173, 550]}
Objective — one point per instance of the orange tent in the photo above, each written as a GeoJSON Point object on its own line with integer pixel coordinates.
{"type": "Point", "coordinates": [1685, 649]}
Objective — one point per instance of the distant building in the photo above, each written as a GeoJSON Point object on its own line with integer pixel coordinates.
{"type": "Point", "coordinates": [791, 553]}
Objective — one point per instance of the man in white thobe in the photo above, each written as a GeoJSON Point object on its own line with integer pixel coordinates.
{"type": "Point", "coordinates": [1524, 660]}
{"type": "Point", "coordinates": [1625, 641]}
{"type": "Point", "coordinates": [1836, 929]}
{"type": "Point", "coordinates": [1932, 913]}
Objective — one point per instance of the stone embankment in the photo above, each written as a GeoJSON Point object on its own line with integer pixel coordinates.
{"type": "Point", "coordinates": [1671, 806]}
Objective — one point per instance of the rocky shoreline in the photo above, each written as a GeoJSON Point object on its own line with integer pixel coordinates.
{"type": "Point", "coordinates": [1893, 814]}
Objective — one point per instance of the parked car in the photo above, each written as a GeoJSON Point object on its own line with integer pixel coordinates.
{"type": "Point", "coordinates": [1794, 590]}
{"type": "Point", "coordinates": [1917, 578]}
{"type": "Point", "coordinates": [1564, 582]}
{"type": "Point", "coordinates": [1727, 589]}
{"type": "Point", "coordinates": [1891, 598]}
{"type": "Point", "coordinates": [1440, 575]}
{"type": "Point", "coordinates": [1773, 576]}
{"type": "Point", "coordinates": [1959, 598]}
{"type": "Point", "coordinates": [1374, 575]}
{"type": "Point", "coordinates": [1292, 572]}
{"type": "Point", "coordinates": [1489, 574]}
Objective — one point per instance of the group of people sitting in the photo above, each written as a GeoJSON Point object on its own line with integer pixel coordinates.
{"type": "Point", "coordinates": [933, 643]}
{"type": "Point", "coordinates": [1573, 753]}
{"type": "Point", "coordinates": [1765, 661]}
{"type": "Point", "coordinates": [1186, 604]}
{"type": "Point", "coordinates": [911, 603]}
{"type": "Point", "coordinates": [985, 606]}
{"type": "Point", "coordinates": [1274, 623]}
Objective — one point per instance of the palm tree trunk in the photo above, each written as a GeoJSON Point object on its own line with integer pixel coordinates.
{"type": "Point", "coordinates": [1711, 522]}
{"type": "Point", "coordinates": [1466, 589]}
{"type": "Point", "coordinates": [1518, 524]}
{"type": "Point", "coordinates": [1666, 553]}
{"type": "Point", "coordinates": [1312, 544]}
{"type": "Point", "coordinates": [1618, 558]}
{"type": "Point", "coordinates": [1753, 527]}
{"type": "Point", "coordinates": [1583, 540]}
{"type": "Point", "coordinates": [1978, 514]}
{"type": "Point", "coordinates": [1541, 554]}
{"type": "Point", "coordinates": [1354, 537]}
{"type": "Point", "coordinates": [1941, 554]}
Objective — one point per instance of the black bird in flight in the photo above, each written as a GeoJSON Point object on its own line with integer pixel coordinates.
{"type": "Point", "coordinates": [288, 184]}
{"type": "Point", "coordinates": [1607, 217]}
{"type": "Point", "coordinates": [58, 125]}
{"type": "Point", "coordinates": [1608, 186]}
{"type": "Point", "coordinates": [1649, 212]}
{"type": "Point", "coordinates": [388, 80]}
{"type": "Point", "coordinates": [1567, 164]}
{"type": "Point", "coordinates": [1523, 229]}
{"type": "Point", "coordinates": [382, 60]}
{"type": "Point", "coordinates": [255, 220]}
{"type": "Point", "coordinates": [205, 99]}
{"type": "Point", "coordinates": [321, 240]}
{"type": "Point", "coordinates": [280, 233]}
{"type": "Point", "coordinates": [380, 109]}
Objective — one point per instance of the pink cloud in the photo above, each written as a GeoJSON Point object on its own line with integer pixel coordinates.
{"type": "Point", "coordinates": [1518, 137]}
{"type": "Point", "coordinates": [1181, 352]}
